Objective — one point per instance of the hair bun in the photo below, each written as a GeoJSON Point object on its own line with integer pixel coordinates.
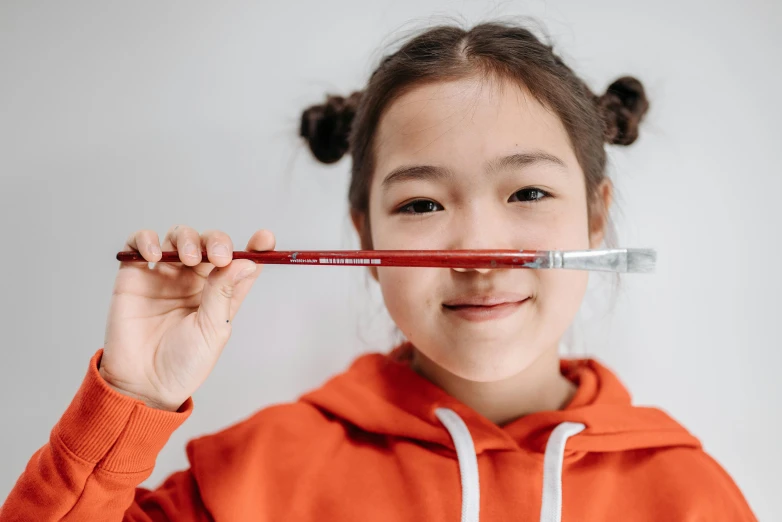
{"type": "Point", "coordinates": [622, 107]}
{"type": "Point", "coordinates": [326, 127]}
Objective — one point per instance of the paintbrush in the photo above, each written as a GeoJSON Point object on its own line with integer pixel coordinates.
{"type": "Point", "coordinates": [606, 260]}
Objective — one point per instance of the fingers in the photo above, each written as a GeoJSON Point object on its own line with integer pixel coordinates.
{"type": "Point", "coordinates": [186, 241]}
{"type": "Point", "coordinates": [189, 244]}
{"type": "Point", "coordinates": [219, 247]}
{"type": "Point", "coordinates": [145, 242]}
{"type": "Point", "coordinates": [261, 241]}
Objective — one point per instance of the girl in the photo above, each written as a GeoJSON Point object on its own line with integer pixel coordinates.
{"type": "Point", "coordinates": [461, 139]}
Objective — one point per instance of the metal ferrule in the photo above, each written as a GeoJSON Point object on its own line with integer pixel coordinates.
{"type": "Point", "coordinates": [613, 260]}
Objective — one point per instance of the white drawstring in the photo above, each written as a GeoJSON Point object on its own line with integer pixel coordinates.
{"type": "Point", "coordinates": [551, 508]}
{"type": "Point", "coordinates": [468, 462]}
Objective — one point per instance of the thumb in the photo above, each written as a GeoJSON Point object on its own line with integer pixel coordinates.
{"type": "Point", "coordinates": [217, 296]}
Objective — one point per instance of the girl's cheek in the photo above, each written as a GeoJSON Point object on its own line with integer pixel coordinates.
{"type": "Point", "coordinates": [566, 231]}
{"type": "Point", "coordinates": [406, 291]}
{"type": "Point", "coordinates": [410, 236]}
{"type": "Point", "coordinates": [560, 294]}
{"type": "Point", "coordinates": [406, 279]}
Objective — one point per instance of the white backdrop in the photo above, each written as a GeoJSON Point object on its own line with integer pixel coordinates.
{"type": "Point", "coordinates": [116, 116]}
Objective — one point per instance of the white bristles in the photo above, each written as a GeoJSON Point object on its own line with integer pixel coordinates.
{"type": "Point", "coordinates": [641, 260]}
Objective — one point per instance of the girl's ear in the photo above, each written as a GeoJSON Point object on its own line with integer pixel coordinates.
{"type": "Point", "coordinates": [361, 225]}
{"type": "Point", "coordinates": [603, 197]}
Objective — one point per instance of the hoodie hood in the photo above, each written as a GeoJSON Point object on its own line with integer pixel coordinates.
{"type": "Point", "coordinates": [382, 394]}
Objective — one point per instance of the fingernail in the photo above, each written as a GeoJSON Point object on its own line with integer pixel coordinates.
{"type": "Point", "coordinates": [245, 273]}
{"type": "Point", "coordinates": [189, 250]}
{"type": "Point", "coordinates": [221, 250]}
{"type": "Point", "coordinates": [154, 249]}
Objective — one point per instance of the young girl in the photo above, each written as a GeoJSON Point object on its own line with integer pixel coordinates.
{"type": "Point", "coordinates": [461, 139]}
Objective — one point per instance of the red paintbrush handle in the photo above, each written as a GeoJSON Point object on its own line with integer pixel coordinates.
{"type": "Point", "coordinates": [420, 258]}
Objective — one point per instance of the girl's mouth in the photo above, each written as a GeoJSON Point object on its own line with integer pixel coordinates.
{"type": "Point", "coordinates": [479, 313]}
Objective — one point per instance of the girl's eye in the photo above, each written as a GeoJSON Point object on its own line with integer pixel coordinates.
{"type": "Point", "coordinates": [420, 206]}
{"type": "Point", "coordinates": [529, 194]}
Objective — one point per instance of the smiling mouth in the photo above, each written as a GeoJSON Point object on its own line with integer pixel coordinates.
{"type": "Point", "coordinates": [484, 312]}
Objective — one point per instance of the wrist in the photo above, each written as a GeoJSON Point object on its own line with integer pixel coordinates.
{"type": "Point", "coordinates": [148, 402]}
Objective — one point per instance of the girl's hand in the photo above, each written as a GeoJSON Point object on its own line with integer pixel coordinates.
{"type": "Point", "coordinates": [167, 325]}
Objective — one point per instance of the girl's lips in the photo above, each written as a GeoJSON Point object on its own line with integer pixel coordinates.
{"type": "Point", "coordinates": [484, 313]}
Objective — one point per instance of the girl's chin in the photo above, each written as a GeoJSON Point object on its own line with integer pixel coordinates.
{"type": "Point", "coordinates": [484, 361]}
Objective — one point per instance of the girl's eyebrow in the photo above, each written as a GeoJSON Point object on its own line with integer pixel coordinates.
{"type": "Point", "coordinates": [524, 159]}
{"type": "Point", "coordinates": [435, 173]}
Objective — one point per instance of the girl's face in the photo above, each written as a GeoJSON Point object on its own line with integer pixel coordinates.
{"type": "Point", "coordinates": [474, 164]}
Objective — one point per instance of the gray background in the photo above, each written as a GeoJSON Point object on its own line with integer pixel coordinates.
{"type": "Point", "coordinates": [116, 116]}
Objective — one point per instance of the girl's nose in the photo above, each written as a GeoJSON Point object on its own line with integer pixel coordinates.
{"type": "Point", "coordinates": [480, 231]}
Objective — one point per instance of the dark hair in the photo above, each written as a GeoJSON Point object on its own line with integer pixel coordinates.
{"type": "Point", "coordinates": [492, 49]}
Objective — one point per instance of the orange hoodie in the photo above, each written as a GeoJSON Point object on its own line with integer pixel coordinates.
{"type": "Point", "coordinates": [379, 443]}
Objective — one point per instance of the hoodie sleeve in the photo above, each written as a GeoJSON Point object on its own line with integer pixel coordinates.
{"type": "Point", "coordinates": [725, 501]}
{"type": "Point", "coordinates": [100, 450]}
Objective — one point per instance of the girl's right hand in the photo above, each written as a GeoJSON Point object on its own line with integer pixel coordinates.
{"type": "Point", "coordinates": [168, 325]}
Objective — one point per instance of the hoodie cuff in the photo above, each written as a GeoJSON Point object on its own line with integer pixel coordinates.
{"type": "Point", "coordinates": [113, 431]}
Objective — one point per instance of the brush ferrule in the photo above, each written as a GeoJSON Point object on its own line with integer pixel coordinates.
{"type": "Point", "coordinates": [611, 260]}
{"type": "Point", "coordinates": [555, 259]}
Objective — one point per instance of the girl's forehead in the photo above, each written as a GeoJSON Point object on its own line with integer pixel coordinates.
{"type": "Point", "coordinates": [448, 122]}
